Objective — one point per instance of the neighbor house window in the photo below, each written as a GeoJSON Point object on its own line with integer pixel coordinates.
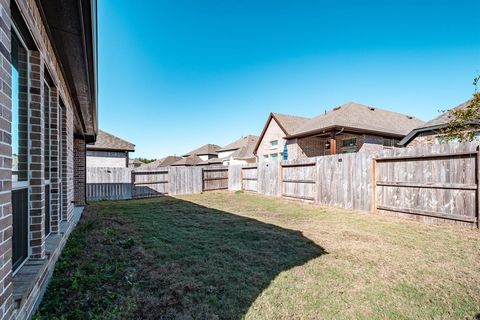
{"type": "Point", "coordinates": [273, 143]}
{"type": "Point", "coordinates": [19, 55]}
{"type": "Point", "coordinates": [265, 156]}
{"type": "Point", "coordinates": [274, 156]}
{"type": "Point", "coordinates": [390, 142]}
{"type": "Point", "coordinates": [327, 145]}
{"type": "Point", "coordinates": [349, 142]}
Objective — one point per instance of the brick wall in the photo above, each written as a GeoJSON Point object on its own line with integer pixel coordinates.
{"type": "Point", "coordinates": [308, 147]}
{"type": "Point", "coordinates": [31, 158]}
{"type": "Point", "coordinates": [273, 132]}
{"type": "Point", "coordinates": [6, 300]}
{"type": "Point", "coordinates": [67, 164]}
{"type": "Point", "coordinates": [54, 161]}
{"type": "Point", "coordinates": [36, 157]}
{"type": "Point", "coordinates": [424, 138]}
{"type": "Point", "coordinates": [80, 170]}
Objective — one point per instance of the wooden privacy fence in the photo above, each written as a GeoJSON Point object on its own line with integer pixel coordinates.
{"type": "Point", "coordinates": [215, 178]}
{"type": "Point", "coordinates": [299, 180]}
{"type": "Point", "coordinates": [249, 178]}
{"type": "Point", "coordinates": [432, 183]}
{"type": "Point", "coordinates": [125, 183]}
{"type": "Point", "coordinates": [430, 186]}
{"type": "Point", "coordinates": [108, 184]}
{"type": "Point", "coordinates": [149, 183]}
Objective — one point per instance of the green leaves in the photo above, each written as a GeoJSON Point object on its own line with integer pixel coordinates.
{"type": "Point", "coordinates": [465, 122]}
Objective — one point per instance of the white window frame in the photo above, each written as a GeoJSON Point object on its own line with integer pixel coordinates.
{"type": "Point", "coordinates": [273, 144]}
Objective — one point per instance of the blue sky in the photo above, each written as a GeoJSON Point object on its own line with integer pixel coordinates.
{"type": "Point", "coordinates": [176, 74]}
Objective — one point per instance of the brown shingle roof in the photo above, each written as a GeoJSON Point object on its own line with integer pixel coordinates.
{"type": "Point", "coordinates": [435, 124]}
{"type": "Point", "coordinates": [445, 117]}
{"type": "Point", "coordinates": [192, 160]}
{"type": "Point", "coordinates": [107, 141]}
{"type": "Point", "coordinates": [160, 163]}
{"type": "Point", "coordinates": [289, 123]}
{"type": "Point", "coordinates": [247, 141]}
{"type": "Point", "coordinates": [360, 117]}
{"type": "Point", "coordinates": [204, 150]}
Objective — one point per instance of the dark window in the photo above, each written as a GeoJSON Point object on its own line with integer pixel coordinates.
{"type": "Point", "coordinates": [390, 142]}
{"type": "Point", "coordinates": [47, 210]}
{"type": "Point", "coordinates": [20, 227]}
{"type": "Point", "coordinates": [349, 142]}
{"type": "Point", "coordinates": [327, 144]}
{"type": "Point", "coordinates": [19, 110]}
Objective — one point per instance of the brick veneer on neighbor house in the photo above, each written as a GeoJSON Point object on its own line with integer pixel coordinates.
{"type": "Point", "coordinates": [38, 66]}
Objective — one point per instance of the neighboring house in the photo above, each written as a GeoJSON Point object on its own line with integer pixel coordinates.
{"type": "Point", "coordinates": [135, 163]}
{"type": "Point", "coordinates": [109, 151]}
{"type": "Point", "coordinates": [198, 156]}
{"type": "Point", "coordinates": [49, 114]}
{"type": "Point", "coordinates": [237, 152]}
{"type": "Point", "coordinates": [430, 132]}
{"type": "Point", "coordinates": [188, 161]}
{"type": "Point", "coordinates": [160, 163]}
{"type": "Point", "coordinates": [205, 152]}
{"type": "Point", "coordinates": [351, 127]}
{"type": "Point", "coordinates": [271, 143]}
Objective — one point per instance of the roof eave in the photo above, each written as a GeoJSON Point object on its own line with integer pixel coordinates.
{"type": "Point", "coordinates": [347, 129]}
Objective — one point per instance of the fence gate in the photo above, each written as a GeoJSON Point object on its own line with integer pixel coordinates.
{"type": "Point", "coordinates": [435, 186]}
{"type": "Point", "coordinates": [214, 178]}
{"type": "Point", "coordinates": [298, 180]}
{"type": "Point", "coordinates": [249, 178]}
{"type": "Point", "coordinates": [150, 183]}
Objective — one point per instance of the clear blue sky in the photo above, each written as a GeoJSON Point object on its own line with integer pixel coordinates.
{"type": "Point", "coordinates": [176, 74]}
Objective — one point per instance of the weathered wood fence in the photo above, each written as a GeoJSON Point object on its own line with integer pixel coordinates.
{"type": "Point", "coordinates": [108, 184]}
{"type": "Point", "coordinates": [436, 183]}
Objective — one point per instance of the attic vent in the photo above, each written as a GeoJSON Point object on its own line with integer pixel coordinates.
{"type": "Point", "coordinates": [337, 108]}
{"type": "Point", "coordinates": [371, 108]}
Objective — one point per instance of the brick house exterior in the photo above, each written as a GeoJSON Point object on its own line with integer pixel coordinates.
{"type": "Point", "coordinates": [48, 113]}
{"type": "Point", "coordinates": [271, 142]}
{"type": "Point", "coordinates": [351, 127]}
{"type": "Point", "coordinates": [109, 151]}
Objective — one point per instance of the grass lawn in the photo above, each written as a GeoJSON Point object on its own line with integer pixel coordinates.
{"type": "Point", "coordinates": [235, 255]}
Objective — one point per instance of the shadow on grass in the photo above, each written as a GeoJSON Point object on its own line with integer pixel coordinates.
{"type": "Point", "coordinates": [166, 258]}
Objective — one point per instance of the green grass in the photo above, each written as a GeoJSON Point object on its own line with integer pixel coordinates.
{"type": "Point", "coordinates": [236, 255]}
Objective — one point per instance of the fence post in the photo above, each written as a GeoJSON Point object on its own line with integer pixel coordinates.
{"type": "Point", "coordinates": [241, 177]}
{"type": "Point", "coordinates": [317, 181]}
{"type": "Point", "coordinates": [132, 184]}
{"type": "Point", "coordinates": [374, 185]}
{"type": "Point", "coordinates": [477, 181]}
{"type": "Point", "coordinates": [280, 180]}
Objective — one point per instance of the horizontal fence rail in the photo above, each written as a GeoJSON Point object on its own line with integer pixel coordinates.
{"type": "Point", "coordinates": [437, 183]}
